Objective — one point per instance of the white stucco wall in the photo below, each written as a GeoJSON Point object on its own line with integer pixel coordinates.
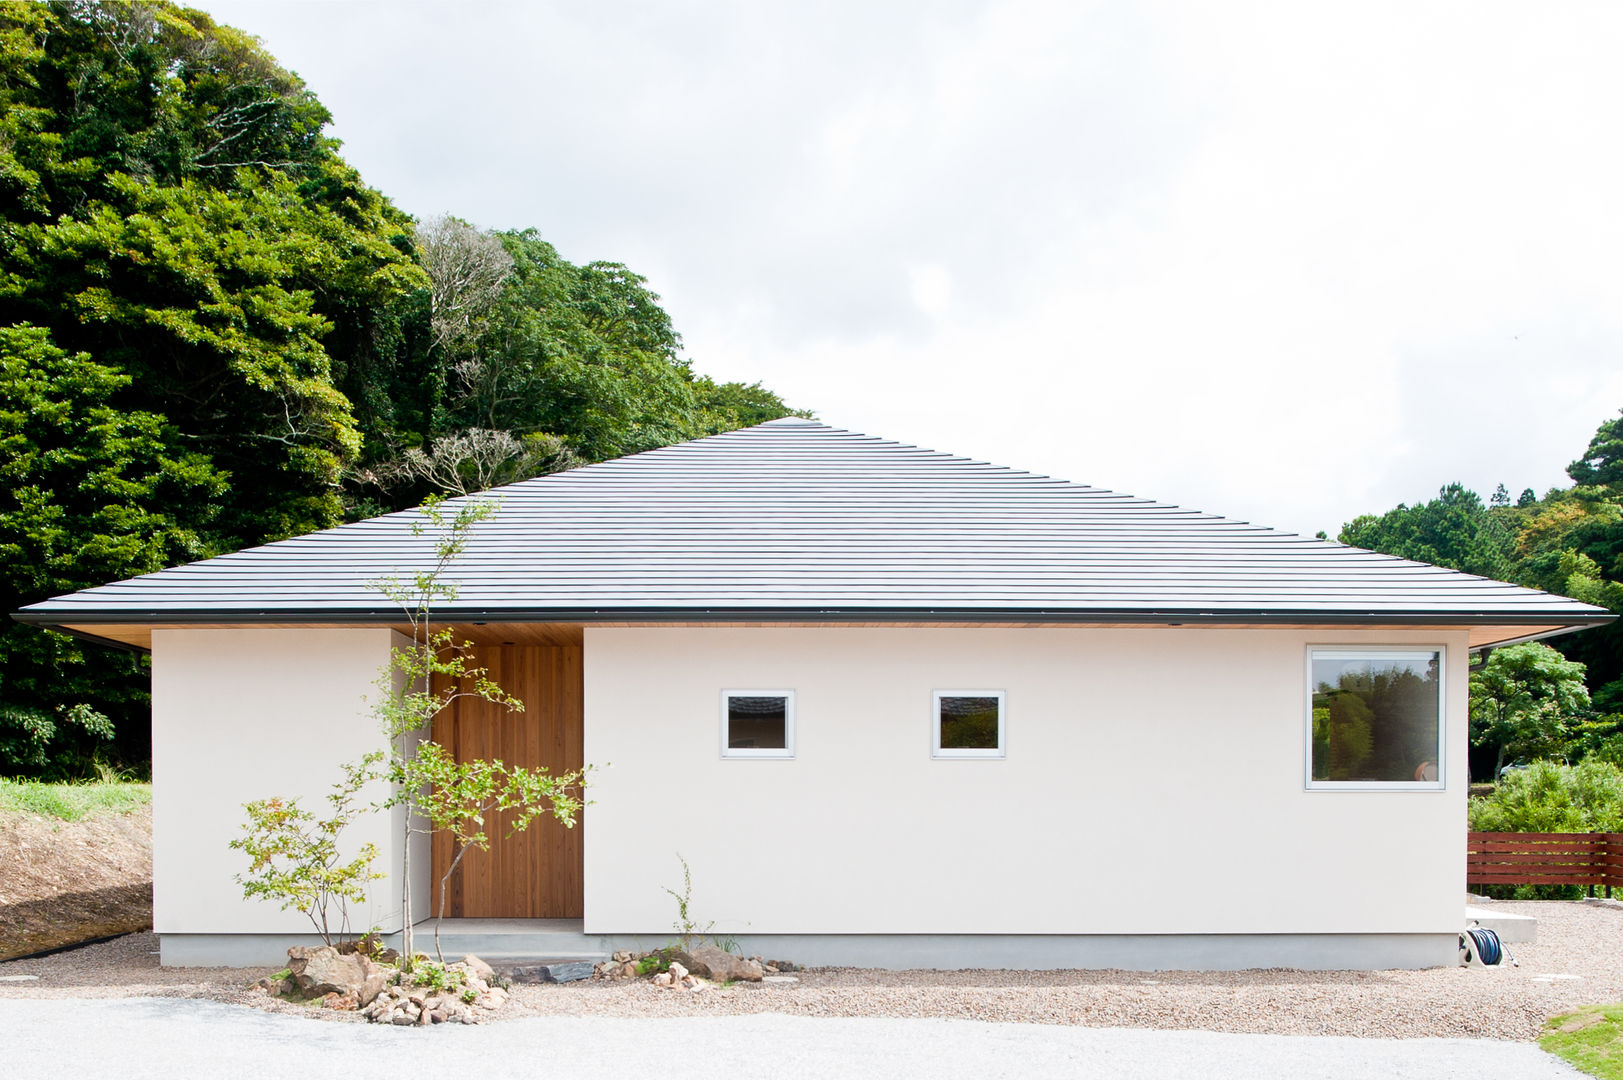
{"type": "Point", "coordinates": [1153, 784]}
{"type": "Point", "coordinates": [239, 715]}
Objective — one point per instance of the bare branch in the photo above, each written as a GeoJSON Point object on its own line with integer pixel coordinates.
{"type": "Point", "coordinates": [467, 268]}
{"type": "Point", "coordinates": [475, 460]}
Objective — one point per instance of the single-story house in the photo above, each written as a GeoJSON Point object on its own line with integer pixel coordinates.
{"type": "Point", "coordinates": [892, 706]}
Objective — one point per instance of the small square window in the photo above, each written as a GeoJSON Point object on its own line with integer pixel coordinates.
{"type": "Point", "coordinates": [967, 724]}
{"type": "Point", "coordinates": [758, 723]}
{"type": "Point", "coordinates": [1375, 718]}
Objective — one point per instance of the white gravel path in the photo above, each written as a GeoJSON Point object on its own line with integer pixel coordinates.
{"type": "Point", "coordinates": [136, 1039]}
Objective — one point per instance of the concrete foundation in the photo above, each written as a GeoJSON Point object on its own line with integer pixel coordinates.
{"type": "Point", "coordinates": [557, 939]}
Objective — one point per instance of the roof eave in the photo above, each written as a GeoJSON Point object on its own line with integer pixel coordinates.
{"type": "Point", "coordinates": [1569, 620]}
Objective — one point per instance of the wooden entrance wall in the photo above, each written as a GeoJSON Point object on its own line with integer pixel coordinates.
{"type": "Point", "coordinates": [537, 874]}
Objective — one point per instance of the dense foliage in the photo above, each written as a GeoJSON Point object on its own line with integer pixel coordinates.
{"type": "Point", "coordinates": [1526, 701]}
{"type": "Point", "coordinates": [1550, 797]}
{"type": "Point", "coordinates": [214, 334]}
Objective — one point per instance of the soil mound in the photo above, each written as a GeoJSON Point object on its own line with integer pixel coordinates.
{"type": "Point", "coordinates": [66, 882]}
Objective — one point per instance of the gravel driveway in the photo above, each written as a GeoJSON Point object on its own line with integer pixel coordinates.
{"type": "Point", "coordinates": [162, 1039]}
{"type": "Point", "coordinates": [1577, 960]}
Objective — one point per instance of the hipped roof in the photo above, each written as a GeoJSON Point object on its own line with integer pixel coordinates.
{"type": "Point", "coordinates": [798, 520]}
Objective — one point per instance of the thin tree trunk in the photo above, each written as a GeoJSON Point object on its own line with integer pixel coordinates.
{"type": "Point", "coordinates": [445, 881]}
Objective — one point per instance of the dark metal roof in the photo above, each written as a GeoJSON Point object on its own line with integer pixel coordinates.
{"type": "Point", "coordinates": [797, 519]}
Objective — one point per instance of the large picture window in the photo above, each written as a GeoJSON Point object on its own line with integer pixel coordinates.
{"type": "Point", "coordinates": [758, 723]}
{"type": "Point", "coordinates": [1375, 718]}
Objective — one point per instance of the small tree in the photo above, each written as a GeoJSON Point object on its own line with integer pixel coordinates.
{"type": "Point", "coordinates": [1524, 700]}
{"type": "Point", "coordinates": [421, 682]}
{"type": "Point", "coordinates": [458, 796]}
{"type": "Point", "coordinates": [296, 858]}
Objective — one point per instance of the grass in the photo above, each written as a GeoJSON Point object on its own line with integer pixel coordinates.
{"type": "Point", "coordinates": [1590, 1039]}
{"type": "Point", "coordinates": [73, 802]}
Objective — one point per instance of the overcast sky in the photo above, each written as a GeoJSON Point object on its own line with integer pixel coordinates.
{"type": "Point", "coordinates": [1290, 263]}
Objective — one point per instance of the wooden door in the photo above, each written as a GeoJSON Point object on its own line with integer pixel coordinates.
{"type": "Point", "coordinates": [538, 873]}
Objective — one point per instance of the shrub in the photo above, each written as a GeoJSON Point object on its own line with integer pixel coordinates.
{"type": "Point", "coordinates": [1549, 797]}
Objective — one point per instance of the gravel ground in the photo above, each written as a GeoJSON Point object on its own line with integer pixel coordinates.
{"type": "Point", "coordinates": [159, 1040]}
{"type": "Point", "coordinates": [1577, 960]}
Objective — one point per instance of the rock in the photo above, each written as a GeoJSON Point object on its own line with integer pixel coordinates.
{"type": "Point", "coordinates": [720, 965]}
{"type": "Point", "coordinates": [478, 967]}
{"type": "Point", "coordinates": [677, 972]}
{"type": "Point", "coordinates": [562, 973]}
{"type": "Point", "coordinates": [372, 987]}
{"type": "Point", "coordinates": [323, 970]}
{"type": "Point", "coordinates": [345, 1002]}
{"type": "Point", "coordinates": [629, 970]}
{"type": "Point", "coordinates": [402, 1019]}
{"type": "Point", "coordinates": [663, 979]}
{"type": "Point", "coordinates": [621, 956]}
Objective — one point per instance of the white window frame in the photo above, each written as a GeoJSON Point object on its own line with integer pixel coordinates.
{"type": "Point", "coordinates": [1377, 652]}
{"type": "Point", "coordinates": [959, 754]}
{"type": "Point", "coordinates": [760, 753]}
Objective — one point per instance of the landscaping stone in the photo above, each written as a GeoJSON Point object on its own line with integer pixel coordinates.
{"type": "Point", "coordinates": [719, 965]}
{"type": "Point", "coordinates": [562, 973]}
{"type": "Point", "coordinates": [372, 987]}
{"type": "Point", "coordinates": [678, 978]}
{"type": "Point", "coordinates": [422, 1005]}
{"type": "Point", "coordinates": [322, 969]}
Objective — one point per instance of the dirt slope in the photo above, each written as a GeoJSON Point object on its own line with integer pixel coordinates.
{"type": "Point", "coordinates": [63, 882]}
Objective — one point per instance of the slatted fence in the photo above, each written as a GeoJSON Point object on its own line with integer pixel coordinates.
{"type": "Point", "coordinates": [1584, 859]}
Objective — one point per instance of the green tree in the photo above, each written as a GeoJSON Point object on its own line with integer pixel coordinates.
{"type": "Point", "coordinates": [438, 792]}
{"type": "Point", "coordinates": [1454, 530]}
{"type": "Point", "coordinates": [1525, 700]}
{"type": "Point", "coordinates": [299, 859]}
{"type": "Point", "coordinates": [90, 493]}
{"type": "Point", "coordinates": [173, 213]}
{"type": "Point", "coordinates": [550, 365]}
{"type": "Point", "coordinates": [1602, 463]}
{"type": "Point", "coordinates": [172, 208]}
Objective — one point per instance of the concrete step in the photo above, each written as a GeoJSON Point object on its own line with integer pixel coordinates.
{"type": "Point", "coordinates": [1512, 929]}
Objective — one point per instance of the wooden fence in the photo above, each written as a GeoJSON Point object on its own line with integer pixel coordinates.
{"type": "Point", "coordinates": [1584, 859]}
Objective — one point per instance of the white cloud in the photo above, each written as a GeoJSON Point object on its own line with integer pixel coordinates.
{"type": "Point", "coordinates": [1286, 262]}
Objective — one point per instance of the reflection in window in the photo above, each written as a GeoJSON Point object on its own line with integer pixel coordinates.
{"type": "Point", "coordinates": [1376, 716]}
{"type": "Point", "coordinates": [758, 723]}
{"type": "Point", "coordinates": [968, 723]}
